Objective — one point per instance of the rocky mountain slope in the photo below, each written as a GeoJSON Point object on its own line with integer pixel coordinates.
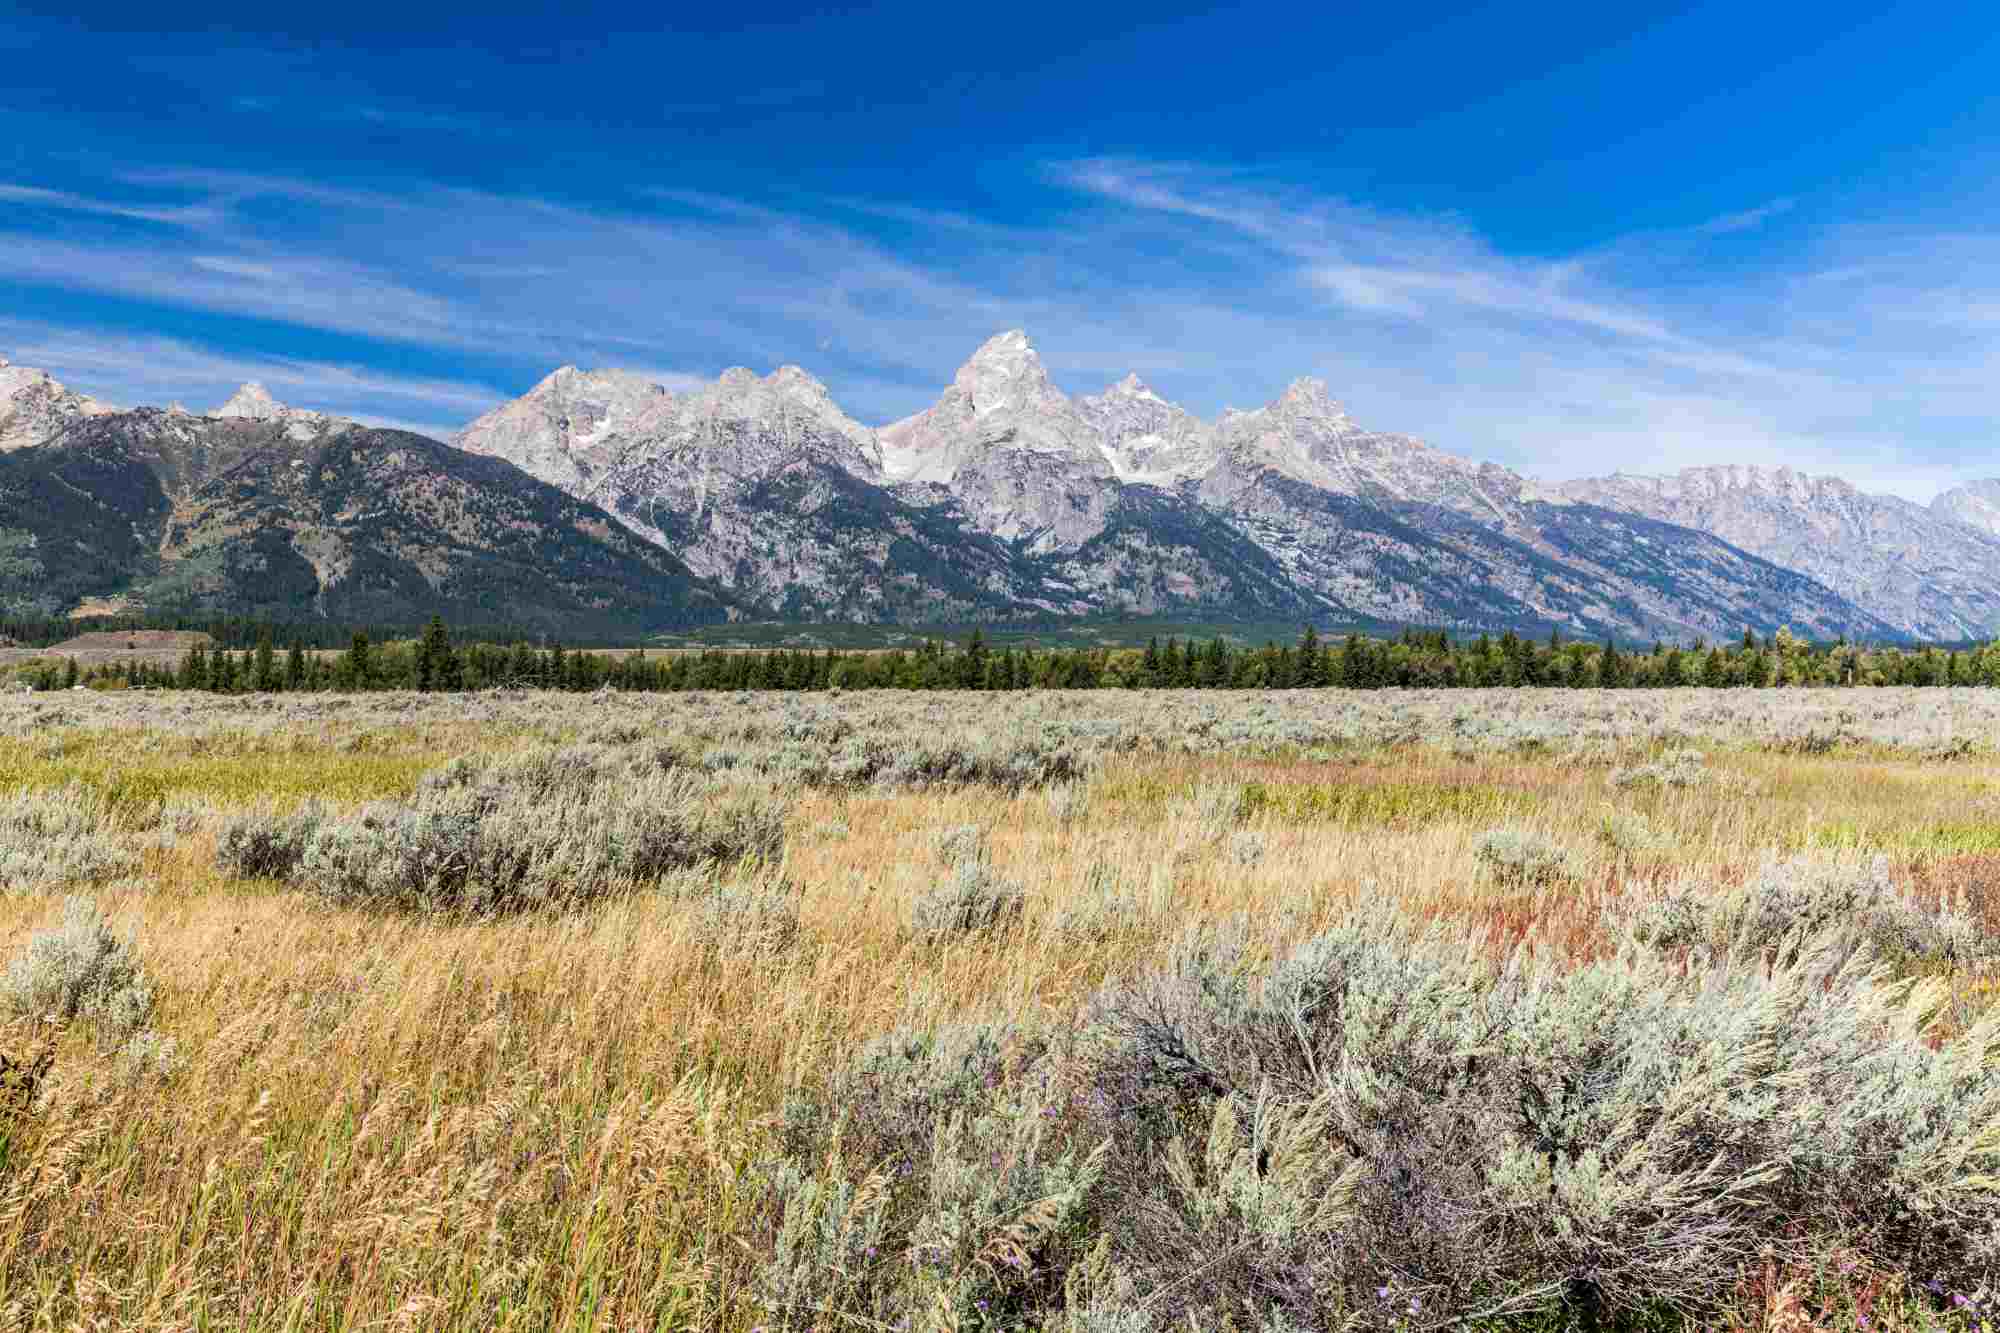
{"type": "Point", "coordinates": [1975, 504]}
{"type": "Point", "coordinates": [34, 405]}
{"type": "Point", "coordinates": [268, 511]}
{"type": "Point", "coordinates": [1010, 498]}
{"type": "Point", "coordinates": [764, 485]}
{"type": "Point", "coordinates": [1926, 571]}
{"type": "Point", "coordinates": [604, 494]}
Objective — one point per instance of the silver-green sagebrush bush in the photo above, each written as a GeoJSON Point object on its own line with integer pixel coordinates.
{"type": "Point", "coordinates": [1788, 903]}
{"type": "Point", "coordinates": [554, 829]}
{"type": "Point", "coordinates": [80, 969]}
{"type": "Point", "coordinates": [1518, 858]}
{"type": "Point", "coordinates": [1678, 769]}
{"type": "Point", "coordinates": [971, 896]}
{"type": "Point", "coordinates": [1630, 833]}
{"type": "Point", "coordinates": [934, 1177]}
{"type": "Point", "coordinates": [754, 915]}
{"type": "Point", "coordinates": [65, 836]}
{"type": "Point", "coordinates": [267, 846]}
{"type": "Point", "coordinates": [1388, 1129]}
{"type": "Point", "coordinates": [1101, 907]}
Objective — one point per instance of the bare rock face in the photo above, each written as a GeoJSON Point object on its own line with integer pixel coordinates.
{"type": "Point", "coordinates": [253, 402]}
{"type": "Point", "coordinates": [555, 430]}
{"type": "Point", "coordinates": [1926, 572]}
{"type": "Point", "coordinates": [35, 405]}
{"type": "Point", "coordinates": [761, 483]}
{"type": "Point", "coordinates": [1016, 454]}
{"type": "Point", "coordinates": [1975, 504]}
{"type": "Point", "coordinates": [1006, 497]}
{"type": "Point", "coordinates": [1144, 437]}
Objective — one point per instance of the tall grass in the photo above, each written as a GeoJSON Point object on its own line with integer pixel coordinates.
{"type": "Point", "coordinates": [662, 1107]}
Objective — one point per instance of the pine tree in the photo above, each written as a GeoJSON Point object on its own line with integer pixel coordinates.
{"type": "Point", "coordinates": [1611, 670]}
{"type": "Point", "coordinates": [437, 665]}
{"type": "Point", "coordinates": [356, 668]}
{"type": "Point", "coordinates": [295, 667]}
{"type": "Point", "coordinates": [975, 661]}
{"type": "Point", "coordinates": [1352, 669]}
{"type": "Point", "coordinates": [1309, 659]}
{"type": "Point", "coordinates": [264, 674]}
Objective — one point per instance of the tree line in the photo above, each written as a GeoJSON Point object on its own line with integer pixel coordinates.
{"type": "Point", "coordinates": [434, 661]}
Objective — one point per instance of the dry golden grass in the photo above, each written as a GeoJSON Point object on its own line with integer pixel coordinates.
{"type": "Point", "coordinates": [382, 1121]}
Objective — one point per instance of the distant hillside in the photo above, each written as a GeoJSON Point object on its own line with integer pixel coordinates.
{"type": "Point", "coordinates": [296, 516]}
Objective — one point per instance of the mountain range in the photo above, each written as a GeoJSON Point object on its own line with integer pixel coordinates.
{"type": "Point", "coordinates": [601, 501]}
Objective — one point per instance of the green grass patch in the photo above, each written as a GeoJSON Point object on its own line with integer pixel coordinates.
{"type": "Point", "coordinates": [1940, 839]}
{"type": "Point", "coordinates": [227, 775]}
{"type": "Point", "coordinates": [1386, 804]}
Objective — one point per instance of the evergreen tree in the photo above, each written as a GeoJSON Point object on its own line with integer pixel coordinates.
{"type": "Point", "coordinates": [437, 665]}
{"type": "Point", "coordinates": [974, 672]}
{"type": "Point", "coordinates": [264, 673]}
{"type": "Point", "coordinates": [357, 667]}
{"type": "Point", "coordinates": [1309, 659]}
{"type": "Point", "coordinates": [1353, 669]}
{"type": "Point", "coordinates": [295, 666]}
{"type": "Point", "coordinates": [1611, 669]}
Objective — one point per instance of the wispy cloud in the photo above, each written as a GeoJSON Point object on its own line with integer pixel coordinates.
{"type": "Point", "coordinates": [139, 369]}
{"type": "Point", "coordinates": [1868, 351]}
{"type": "Point", "coordinates": [1747, 220]}
{"type": "Point", "coordinates": [63, 201]}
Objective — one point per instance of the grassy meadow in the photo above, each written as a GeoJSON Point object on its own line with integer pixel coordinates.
{"type": "Point", "coordinates": [1103, 1012]}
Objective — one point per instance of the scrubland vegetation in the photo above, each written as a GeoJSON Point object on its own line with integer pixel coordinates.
{"type": "Point", "coordinates": [1101, 1012]}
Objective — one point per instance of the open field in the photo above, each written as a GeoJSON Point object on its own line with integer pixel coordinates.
{"type": "Point", "coordinates": [1106, 1012]}
{"type": "Point", "coordinates": [155, 647]}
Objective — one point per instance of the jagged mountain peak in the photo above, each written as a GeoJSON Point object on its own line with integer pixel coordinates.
{"type": "Point", "coordinates": [251, 401]}
{"type": "Point", "coordinates": [1132, 387]}
{"type": "Point", "coordinates": [1926, 571]}
{"type": "Point", "coordinates": [799, 378]}
{"type": "Point", "coordinates": [1007, 497]}
{"type": "Point", "coordinates": [1010, 345]}
{"type": "Point", "coordinates": [1308, 394]}
{"type": "Point", "coordinates": [1006, 374]}
{"type": "Point", "coordinates": [1772, 482]}
{"type": "Point", "coordinates": [35, 405]}
{"type": "Point", "coordinates": [565, 382]}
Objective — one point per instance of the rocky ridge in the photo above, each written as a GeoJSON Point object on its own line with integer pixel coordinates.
{"type": "Point", "coordinates": [1123, 502]}
{"type": "Point", "coordinates": [1933, 573]}
{"type": "Point", "coordinates": [35, 405]}
{"type": "Point", "coordinates": [266, 510]}
{"type": "Point", "coordinates": [253, 402]}
{"type": "Point", "coordinates": [1008, 499]}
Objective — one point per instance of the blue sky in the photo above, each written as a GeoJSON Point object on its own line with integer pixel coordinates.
{"type": "Point", "coordinates": [1569, 238]}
